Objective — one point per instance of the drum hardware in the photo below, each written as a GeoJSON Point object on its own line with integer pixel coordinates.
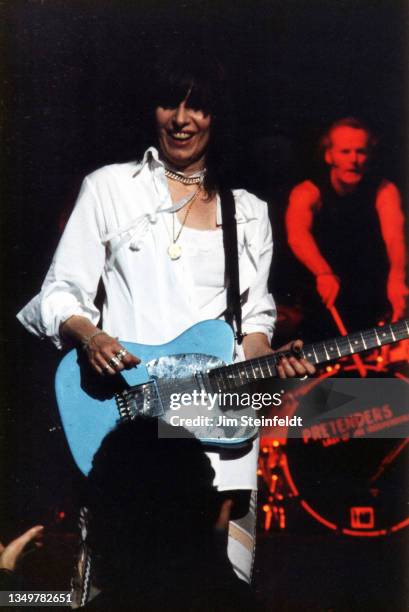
{"type": "Point", "coordinates": [357, 488]}
{"type": "Point", "coordinates": [389, 459]}
{"type": "Point", "coordinates": [271, 469]}
{"type": "Point", "coordinates": [371, 506]}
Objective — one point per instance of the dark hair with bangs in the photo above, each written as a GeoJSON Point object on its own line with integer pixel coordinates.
{"type": "Point", "coordinates": [196, 73]}
{"type": "Point", "coordinates": [200, 78]}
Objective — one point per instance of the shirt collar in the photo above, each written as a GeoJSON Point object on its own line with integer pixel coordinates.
{"type": "Point", "coordinates": [150, 156]}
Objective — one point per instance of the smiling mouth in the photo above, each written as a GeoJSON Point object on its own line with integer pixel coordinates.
{"type": "Point", "coordinates": [181, 136]}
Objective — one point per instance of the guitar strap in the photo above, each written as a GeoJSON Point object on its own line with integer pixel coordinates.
{"type": "Point", "coordinates": [231, 259]}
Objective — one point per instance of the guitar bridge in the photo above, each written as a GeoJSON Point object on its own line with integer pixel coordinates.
{"type": "Point", "coordinates": [142, 399]}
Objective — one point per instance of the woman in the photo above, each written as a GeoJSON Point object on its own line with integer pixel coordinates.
{"type": "Point", "coordinates": [152, 231]}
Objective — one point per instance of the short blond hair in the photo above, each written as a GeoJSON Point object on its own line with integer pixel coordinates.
{"type": "Point", "coordinates": [352, 122]}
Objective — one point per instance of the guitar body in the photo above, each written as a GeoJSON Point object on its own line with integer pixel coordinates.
{"type": "Point", "coordinates": [88, 403]}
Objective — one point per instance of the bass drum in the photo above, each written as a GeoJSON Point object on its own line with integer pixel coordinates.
{"type": "Point", "coordinates": [353, 486]}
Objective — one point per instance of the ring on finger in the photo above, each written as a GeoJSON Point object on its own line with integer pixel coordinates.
{"type": "Point", "coordinates": [114, 362]}
{"type": "Point", "coordinates": [106, 369]}
{"type": "Point", "coordinates": [121, 354]}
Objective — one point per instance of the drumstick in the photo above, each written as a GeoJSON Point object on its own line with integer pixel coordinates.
{"type": "Point", "coordinates": [339, 323]}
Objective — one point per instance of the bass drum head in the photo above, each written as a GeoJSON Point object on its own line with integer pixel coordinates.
{"type": "Point", "coordinates": [355, 486]}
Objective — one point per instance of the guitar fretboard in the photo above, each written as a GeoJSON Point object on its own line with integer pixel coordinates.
{"type": "Point", "coordinates": [235, 375]}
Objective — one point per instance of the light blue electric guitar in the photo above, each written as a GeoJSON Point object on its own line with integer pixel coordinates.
{"type": "Point", "coordinates": [182, 382]}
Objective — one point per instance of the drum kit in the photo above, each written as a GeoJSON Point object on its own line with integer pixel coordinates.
{"type": "Point", "coordinates": [355, 485]}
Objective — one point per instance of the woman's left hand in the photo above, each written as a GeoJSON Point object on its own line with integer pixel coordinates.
{"type": "Point", "coordinates": [257, 345]}
{"type": "Point", "coordinates": [293, 365]}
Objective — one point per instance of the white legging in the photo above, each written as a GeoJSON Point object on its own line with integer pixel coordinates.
{"type": "Point", "coordinates": [242, 541]}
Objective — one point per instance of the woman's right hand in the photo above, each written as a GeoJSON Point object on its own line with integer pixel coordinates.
{"type": "Point", "coordinates": [105, 353]}
{"type": "Point", "coordinates": [107, 356]}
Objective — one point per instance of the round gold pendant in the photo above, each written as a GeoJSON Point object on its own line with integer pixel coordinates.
{"type": "Point", "coordinates": [174, 250]}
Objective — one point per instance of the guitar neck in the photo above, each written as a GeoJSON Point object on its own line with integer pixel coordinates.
{"type": "Point", "coordinates": [343, 346]}
{"type": "Point", "coordinates": [237, 374]}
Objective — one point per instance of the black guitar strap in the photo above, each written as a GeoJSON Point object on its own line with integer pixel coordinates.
{"type": "Point", "coordinates": [231, 258]}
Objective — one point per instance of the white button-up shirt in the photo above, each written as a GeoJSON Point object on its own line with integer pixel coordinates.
{"type": "Point", "coordinates": [119, 231]}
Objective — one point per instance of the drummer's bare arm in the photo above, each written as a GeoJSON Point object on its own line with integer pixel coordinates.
{"type": "Point", "coordinates": [388, 206]}
{"type": "Point", "coordinates": [303, 203]}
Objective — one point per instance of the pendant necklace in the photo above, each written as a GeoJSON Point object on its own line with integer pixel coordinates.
{"type": "Point", "coordinates": [175, 249]}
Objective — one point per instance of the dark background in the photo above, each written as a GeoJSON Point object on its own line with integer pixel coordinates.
{"type": "Point", "coordinates": [73, 78]}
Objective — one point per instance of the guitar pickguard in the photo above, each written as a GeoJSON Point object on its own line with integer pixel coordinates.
{"type": "Point", "coordinates": [182, 366]}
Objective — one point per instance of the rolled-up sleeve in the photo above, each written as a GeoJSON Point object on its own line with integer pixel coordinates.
{"type": "Point", "coordinates": [71, 283]}
{"type": "Point", "coordinates": [259, 311]}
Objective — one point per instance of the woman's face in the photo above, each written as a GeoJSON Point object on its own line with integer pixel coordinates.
{"type": "Point", "coordinates": [183, 134]}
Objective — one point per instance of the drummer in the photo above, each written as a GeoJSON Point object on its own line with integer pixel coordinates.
{"type": "Point", "coordinates": [346, 227]}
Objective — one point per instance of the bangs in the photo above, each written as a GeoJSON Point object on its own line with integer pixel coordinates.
{"type": "Point", "coordinates": [197, 77]}
{"type": "Point", "coordinates": [171, 92]}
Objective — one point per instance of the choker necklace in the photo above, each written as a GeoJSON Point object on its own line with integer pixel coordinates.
{"type": "Point", "coordinates": [174, 249]}
{"type": "Point", "coordinates": [181, 178]}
